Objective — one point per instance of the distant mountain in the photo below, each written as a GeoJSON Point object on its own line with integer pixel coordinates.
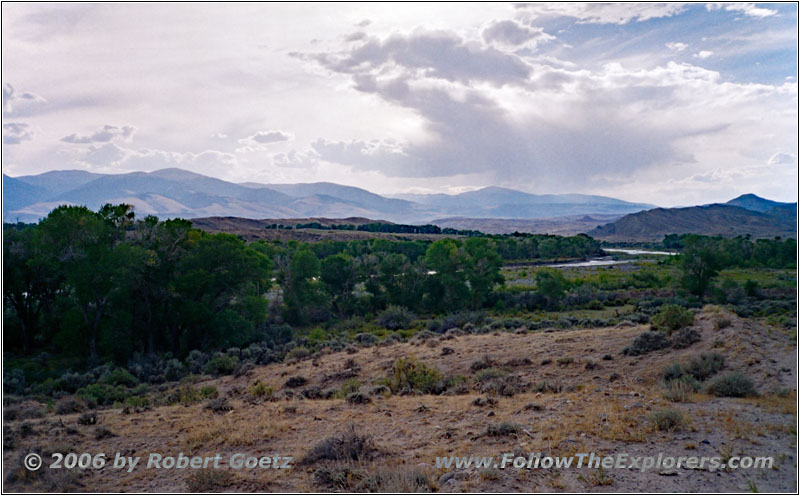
{"type": "Point", "coordinates": [715, 219]}
{"type": "Point", "coordinates": [18, 193]}
{"type": "Point", "coordinates": [495, 202]}
{"type": "Point", "coordinates": [756, 203]}
{"type": "Point", "coordinates": [180, 193]}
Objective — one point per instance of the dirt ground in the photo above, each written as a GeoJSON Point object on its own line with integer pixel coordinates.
{"type": "Point", "coordinates": [603, 405]}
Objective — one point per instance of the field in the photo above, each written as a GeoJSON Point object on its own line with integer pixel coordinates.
{"type": "Point", "coordinates": [590, 399]}
{"type": "Point", "coordinates": [369, 362]}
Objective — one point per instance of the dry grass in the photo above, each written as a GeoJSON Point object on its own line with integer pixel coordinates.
{"type": "Point", "coordinates": [591, 413]}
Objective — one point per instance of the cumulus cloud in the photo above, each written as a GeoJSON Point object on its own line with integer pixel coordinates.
{"type": "Point", "coordinates": [511, 33]}
{"type": "Point", "coordinates": [438, 54]}
{"type": "Point", "coordinates": [110, 156]}
{"type": "Point", "coordinates": [266, 138]}
{"type": "Point", "coordinates": [297, 160]}
{"type": "Point", "coordinates": [105, 134]}
{"type": "Point", "coordinates": [106, 154]}
{"type": "Point", "coordinates": [518, 125]}
{"type": "Point", "coordinates": [703, 54]}
{"type": "Point", "coordinates": [15, 133]}
{"type": "Point", "coordinates": [782, 158]}
{"type": "Point", "coordinates": [677, 46]}
{"type": "Point", "coordinates": [14, 100]}
{"type": "Point", "coordinates": [749, 9]}
{"type": "Point", "coordinates": [604, 13]}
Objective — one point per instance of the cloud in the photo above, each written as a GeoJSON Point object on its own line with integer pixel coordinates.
{"type": "Point", "coordinates": [677, 46]}
{"type": "Point", "coordinates": [13, 100]}
{"type": "Point", "coordinates": [297, 160]}
{"type": "Point", "coordinates": [266, 138]}
{"type": "Point", "coordinates": [782, 158]}
{"type": "Point", "coordinates": [437, 54]}
{"type": "Point", "coordinates": [111, 157]}
{"type": "Point", "coordinates": [749, 9]}
{"type": "Point", "coordinates": [703, 54]}
{"type": "Point", "coordinates": [357, 36]}
{"type": "Point", "coordinates": [604, 13]}
{"type": "Point", "coordinates": [15, 133]}
{"type": "Point", "coordinates": [107, 154]}
{"type": "Point", "coordinates": [106, 134]}
{"type": "Point", "coordinates": [511, 33]}
{"type": "Point", "coordinates": [533, 123]}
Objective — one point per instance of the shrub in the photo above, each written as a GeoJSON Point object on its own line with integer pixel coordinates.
{"type": "Point", "coordinates": [345, 446]}
{"type": "Point", "coordinates": [13, 381]}
{"type": "Point", "coordinates": [395, 317]}
{"type": "Point", "coordinates": [489, 374]}
{"type": "Point", "coordinates": [484, 363]}
{"type": "Point", "coordinates": [208, 480]}
{"type": "Point", "coordinates": [509, 386]}
{"type": "Point", "coordinates": [219, 405]}
{"type": "Point", "coordinates": [409, 375]}
{"type": "Point", "coordinates": [103, 433]}
{"type": "Point", "coordinates": [23, 413]}
{"type": "Point", "coordinates": [189, 395]}
{"type": "Point", "coordinates": [671, 318]}
{"type": "Point", "coordinates": [704, 365]}
{"type": "Point", "coordinates": [684, 338]}
{"type": "Point", "coordinates": [734, 384]}
{"type": "Point", "coordinates": [70, 404]}
{"type": "Point", "coordinates": [667, 420]}
{"type": "Point", "coordinates": [298, 353]}
{"type": "Point", "coordinates": [679, 390]}
{"type": "Point", "coordinates": [259, 390]}
{"type": "Point", "coordinates": [346, 478]}
{"type": "Point", "coordinates": [350, 386]}
{"type": "Point", "coordinates": [221, 364]}
{"type": "Point", "coordinates": [103, 394]}
{"type": "Point", "coordinates": [121, 377]}
{"type": "Point", "coordinates": [296, 381]}
{"type": "Point", "coordinates": [358, 398]}
{"type": "Point", "coordinates": [672, 372]}
{"type": "Point", "coordinates": [89, 418]}
{"type": "Point", "coordinates": [721, 322]}
{"type": "Point", "coordinates": [195, 361]}
{"type": "Point", "coordinates": [646, 342]}
{"type": "Point", "coordinates": [503, 429]}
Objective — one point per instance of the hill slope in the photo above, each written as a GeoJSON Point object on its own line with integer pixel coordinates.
{"type": "Point", "coordinates": [756, 203]}
{"type": "Point", "coordinates": [716, 219]}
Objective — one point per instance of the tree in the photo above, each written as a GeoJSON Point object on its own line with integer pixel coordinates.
{"type": "Point", "coordinates": [482, 269]}
{"type": "Point", "coordinates": [302, 291]}
{"type": "Point", "coordinates": [29, 281]}
{"type": "Point", "coordinates": [700, 262]}
{"type": "Point", "coordinates": [447, 287]}
{"type": "Point", "coordinates": [551, 284]}
{"type": "Point", "coordinates": [338, 273]}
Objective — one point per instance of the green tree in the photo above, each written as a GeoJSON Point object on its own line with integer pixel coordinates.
{"type": "Point", "coordinates": [30, 280]}
{"type": "Point", "coordinates": [302, 291]}
{"type": "Point", "coordinates": [447, 287]}
{"type": "Point", "coordinates": [339, 275]}
{"type": "Point", "coordinates": [700, 262]}
{"type": "Point", "coordinates": [482, 269]}
{"type": "Point", "coordinates": [552, 285]}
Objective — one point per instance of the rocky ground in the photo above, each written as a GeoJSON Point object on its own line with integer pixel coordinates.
{"type": "Point", "coordinates": [573, 392]}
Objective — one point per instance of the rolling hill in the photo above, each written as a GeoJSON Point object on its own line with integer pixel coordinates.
{"type": "Point", "coordinates": [715, 219]}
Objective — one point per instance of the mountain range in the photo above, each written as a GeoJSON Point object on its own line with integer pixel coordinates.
{"type": "Point", "coordinates": [180, 193]}
{"type": "Point", "coordinates": [746, 214]}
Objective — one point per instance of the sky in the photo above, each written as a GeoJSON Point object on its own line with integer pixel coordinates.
{"type": "Point", "coordinates": [669, 104]}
